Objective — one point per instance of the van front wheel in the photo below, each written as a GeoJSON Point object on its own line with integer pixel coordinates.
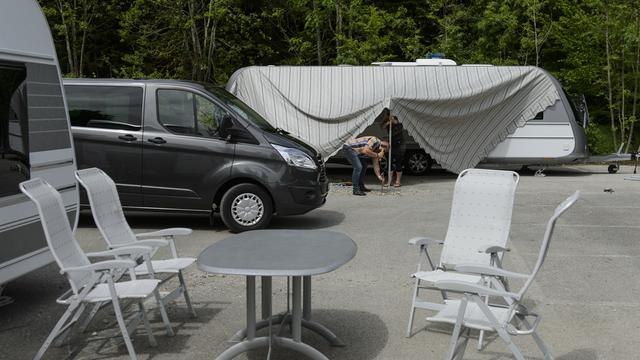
{"type": "Point", "coordinates": [246, 207]}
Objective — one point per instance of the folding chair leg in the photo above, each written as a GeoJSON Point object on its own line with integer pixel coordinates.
{"type": "Point", "coordinates": [85, 324]}
{"type": "Point", "coordinates": [121, 322]}
{"type": "Point", "coordinates": [185, 293]}
{"type": "Point", "coordinates": [55, 332]}
{"type": "Point", "coordinates": [163, 313]}
{"type": "Point", "coordinates": [507, 339]}
{"type": "Point", "coordinates": [454, 344]}
{"type": "Point", "coordinates": [412, 312]}
{"type": "Point", "coordinates": [541, 344]}
{"type": "Point", "coordinates": [481, 336]}
{"type": "Point", "coordinates": [147, 326]}
{"type": "Point", "coordinates": [63, 339]}
{"type": "Point", "coordinates": [502, 332]}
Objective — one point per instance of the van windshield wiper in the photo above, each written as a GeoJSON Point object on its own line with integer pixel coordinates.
{"type": "Point", "coordinates": [282, 131]}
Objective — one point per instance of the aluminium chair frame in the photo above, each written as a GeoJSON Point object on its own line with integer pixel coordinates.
{"type": "Point", "coordinates": [475, 296]}
{"type": "Point", "coordinates": [85, 277]}
{"type": "Point", "coordinates": [493, 249]}
{"type": "Point", "coordinates": [91, 179]}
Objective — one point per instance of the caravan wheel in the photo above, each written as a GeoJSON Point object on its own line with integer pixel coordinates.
{"type": "Point", "coordinates": [417, 163]}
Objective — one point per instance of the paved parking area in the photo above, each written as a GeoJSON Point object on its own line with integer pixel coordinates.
{"type": "Point", "coordinates": [588, 290]}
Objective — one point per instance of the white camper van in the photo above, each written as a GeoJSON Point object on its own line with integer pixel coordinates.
{"type": "Point", "coordinates": [35, 140]}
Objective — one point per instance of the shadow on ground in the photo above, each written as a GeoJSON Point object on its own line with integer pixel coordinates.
{"type": "Point", "coordinates": [356, 329]}
{"type": "Point", "coordinates": [316, 219]}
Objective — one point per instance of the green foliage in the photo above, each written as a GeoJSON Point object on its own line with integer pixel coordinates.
{"type": "Point", "coordinates": [599, 139]}
{"type": "Point", "coordinates": [591, 46]}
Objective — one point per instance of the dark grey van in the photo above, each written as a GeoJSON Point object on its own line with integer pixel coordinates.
{"type": "Point", "coordinates": [192, 147]}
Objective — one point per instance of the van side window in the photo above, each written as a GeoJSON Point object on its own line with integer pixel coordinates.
{"type": "Point", "coordinates": [186, 113]}
{"type": "Point", "coordinates": [14, 133]}
{"type": "Point", "coordinates": [106, 107]}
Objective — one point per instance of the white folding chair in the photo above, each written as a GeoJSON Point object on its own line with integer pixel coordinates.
{"type": "Point", "coordinates": [472, 311]}
{"type": "Point", "coordinates": [478, 231]}
{"type": "Point", "coordinates": [109, 218]}
{"type": "Point", "coordinates": [91, 283]}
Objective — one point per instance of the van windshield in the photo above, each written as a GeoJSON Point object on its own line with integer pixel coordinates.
{"type": "Point", "coordinates": [240, 108]}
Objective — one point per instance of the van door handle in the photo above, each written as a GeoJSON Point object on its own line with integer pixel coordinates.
{"type": "Point", "coordinates": [157, 140]}
{"type": "Point", "coordinates": [127, 137]}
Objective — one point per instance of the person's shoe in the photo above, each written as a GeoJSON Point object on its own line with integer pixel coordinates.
{"type": "Point", "coordinates": [364, 189]}
{"type": "Point", "coordinates": [359, 193]}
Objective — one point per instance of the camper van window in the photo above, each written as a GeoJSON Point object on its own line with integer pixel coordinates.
{"type": "Point", "coordinates": [107, 107]}
{"type": "Point", "coordinates": [240, 108]}
{"type": "Point", "coordinates": [184, 112]}
{"type": "Point", "coordinates": [14, 147]}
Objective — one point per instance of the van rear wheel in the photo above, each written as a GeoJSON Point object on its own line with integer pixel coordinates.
{"type": "Point", "coordinates": [246, 207]}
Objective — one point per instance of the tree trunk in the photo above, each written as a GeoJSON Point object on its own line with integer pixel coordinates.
{"type": "Point", "coordinates": [609, 85]}
{"type": "Point", "coordinates": [318, 35]}
{"type": "Point", "coordinates": [636, 68]}
{"type": "Point", "coordinates": [621, 116]}
{"type": "Point", "coordinates": [338, 26]}
{"type": "Point", "coordinates": [67, 41]}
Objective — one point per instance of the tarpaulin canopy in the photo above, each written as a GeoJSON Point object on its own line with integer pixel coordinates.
{"type": "Point", "coordinates": [458, 114]}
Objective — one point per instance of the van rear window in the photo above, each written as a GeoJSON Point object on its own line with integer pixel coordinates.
{"type": "Point", "coordinates": [107, 107]}
{"type": "Point", "coordinates": [14, 135]}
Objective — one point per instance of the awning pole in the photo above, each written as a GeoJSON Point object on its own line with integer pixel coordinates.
{"type": "Point", "coordinates": [389, 157]}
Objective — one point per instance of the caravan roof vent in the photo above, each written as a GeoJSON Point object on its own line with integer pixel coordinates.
{"type": "Point", "coordinates": [418, 62]}
{"type": "Point", "coordinates": [435, 61]}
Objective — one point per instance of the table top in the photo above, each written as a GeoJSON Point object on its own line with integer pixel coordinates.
{"type": "Point", "coordinates": [278, 253]}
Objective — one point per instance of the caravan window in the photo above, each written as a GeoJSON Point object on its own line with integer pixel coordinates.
{"type": "Point", "coordinates": [14, 135]}
{"type": "Point", "coordinates": [107, 107]}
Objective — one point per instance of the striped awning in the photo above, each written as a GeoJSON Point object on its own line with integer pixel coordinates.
{"type": "Point", "coordinates": [458, 114]}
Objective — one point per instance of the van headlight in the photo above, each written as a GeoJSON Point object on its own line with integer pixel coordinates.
{"type": "Point", "coordinates": [295, 157]}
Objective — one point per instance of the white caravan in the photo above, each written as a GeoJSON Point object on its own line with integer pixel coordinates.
{"type": "Point", "coordinates": [35, 138]}
{"type": "Point", "coordinates": [554, 136]}
{"type": "Point", "coordinates": [459, 115]}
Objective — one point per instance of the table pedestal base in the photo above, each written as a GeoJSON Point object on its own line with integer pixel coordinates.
{"type": "Point", "coordinates": [260, 342]}
{"type": "Point", "coordinates": [284, 319]}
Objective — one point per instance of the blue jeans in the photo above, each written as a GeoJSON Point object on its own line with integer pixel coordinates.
{"type": "Point", "coordinates": [359, 167]}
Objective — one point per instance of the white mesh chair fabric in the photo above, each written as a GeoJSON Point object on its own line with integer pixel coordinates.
{"type": "Point", "coordinates": [473, 311]}
{"type": "Point", "coordinates": [90, 282]}
{"type": "Point", "coordinates": [58, 232]}
{"type": "Point", "coordinates": [478, 231]}
{"type": "Point", "coordinates": [480, 215]}
{"type": "Point", "coordinates": [109, 218]}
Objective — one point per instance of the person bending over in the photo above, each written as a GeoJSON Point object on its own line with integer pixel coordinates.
{"type": "Point", "coordinates": [356, 151]}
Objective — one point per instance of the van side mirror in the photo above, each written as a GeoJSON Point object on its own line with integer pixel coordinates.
{"type": "Point", "coordinates": [229, 130]}
{"type": "Point", "coordinates": [225, 126]}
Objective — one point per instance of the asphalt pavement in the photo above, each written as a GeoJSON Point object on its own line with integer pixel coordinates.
{"type": "Point", "coordinates": [588, 291]}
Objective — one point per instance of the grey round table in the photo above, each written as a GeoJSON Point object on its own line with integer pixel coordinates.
{"type": "Point", "coordinates": [266, 253]}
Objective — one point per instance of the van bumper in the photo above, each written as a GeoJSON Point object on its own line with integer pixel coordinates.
{"type": "Point", "coordinates": [296, 199]}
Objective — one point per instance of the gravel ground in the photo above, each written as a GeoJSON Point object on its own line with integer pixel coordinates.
{"type": "Point", "coordinates": [587, 292]}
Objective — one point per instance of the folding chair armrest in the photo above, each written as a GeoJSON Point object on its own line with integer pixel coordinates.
{"type": "Point", "coordinates": [166, 232]}
{"type": "Point", "coordinates": [465, 287]}
{"type": "Point", "coordinates": [154, 243]}
{"type": "Point", "coordinates": [494, 249]}
{"type": "Point", "coordinates": [125, 250]}
{"type": "Point", "coordinates": [102, 266]}
{"type": "Point", "coordinates": [425, 241]}
{"type": "Point", "coordinates": [489, 270]}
